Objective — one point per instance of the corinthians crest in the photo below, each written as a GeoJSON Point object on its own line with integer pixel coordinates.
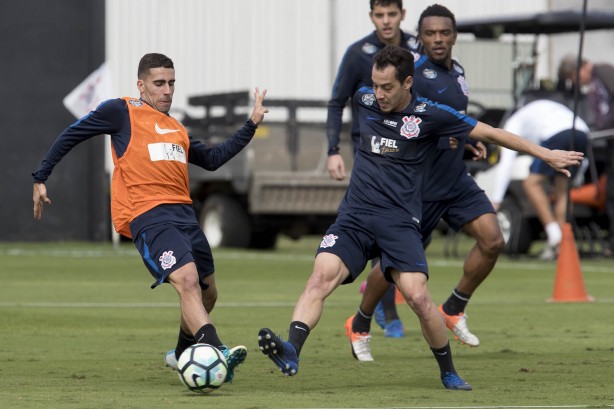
{"type": "Point", "coordinates": [411, 128]}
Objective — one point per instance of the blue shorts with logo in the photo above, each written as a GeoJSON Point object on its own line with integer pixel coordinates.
{"type": "Point", "coordinates": [166, 247]}
{"type": "Point", "coordinates": [562, 141]}
{"type": "Point", "coordinates": [358, 238]}
{"type": "Point", "coordinates": [470, 204]}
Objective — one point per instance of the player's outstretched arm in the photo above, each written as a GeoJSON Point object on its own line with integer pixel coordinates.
{"type": "Point", "coordinates": [259, 110]}
{"type": "Point", "coordinates": [559, 160]}
{"type": "Point", "coordinates": [39, 196]}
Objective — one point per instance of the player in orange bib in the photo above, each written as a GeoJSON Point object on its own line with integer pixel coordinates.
{"type": "Point", "coordinates": [150, 196]}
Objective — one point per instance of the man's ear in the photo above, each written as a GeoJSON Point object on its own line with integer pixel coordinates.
{"type": "Point", "coordinates": [409, 81]}
{"type": "Point", "coordinates": [140, 85]}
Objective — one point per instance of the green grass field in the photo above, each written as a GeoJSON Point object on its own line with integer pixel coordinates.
{"type": "Point", "coordinates": [80, 328]}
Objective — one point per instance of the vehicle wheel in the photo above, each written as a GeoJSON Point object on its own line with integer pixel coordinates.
{"type": "Point", "coordinates": [225, 222]}
{"type": "Point", "coordinates": [516, 229]}
{"type": "Point", "coordinates": [263, 240]}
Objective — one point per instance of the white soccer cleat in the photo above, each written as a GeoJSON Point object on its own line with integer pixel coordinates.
{"type": "Point", "coordinates": [458, 325]}
{"type": "Point", "coordinates": [170, 360]}
{"type": "Point", "coordinates": [359, 342]}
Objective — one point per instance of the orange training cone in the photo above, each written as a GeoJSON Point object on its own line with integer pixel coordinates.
{"type": "Point", "coordinates": [398, 297]}
{"type": "Point", "coordinates": [569, 284]}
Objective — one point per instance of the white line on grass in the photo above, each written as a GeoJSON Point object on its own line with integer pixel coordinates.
{"type": "Point", "coordinates": [137, 305]}
{"type": "Point", "coordinates": [265, 256]}
{"type": "Point", "coordinates": [225, 304]}
{"type": "Point", "coordinates": [490, 407]}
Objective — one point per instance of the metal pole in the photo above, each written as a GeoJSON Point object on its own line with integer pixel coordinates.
{"type": "Point", "coordinates": [576, 98]}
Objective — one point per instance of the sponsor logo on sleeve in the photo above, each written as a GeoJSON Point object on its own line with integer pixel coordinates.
{"type": "Point", "coordinates": [369, 48]}
{"type": "Point", "coordinates": [328, 241]}
{"type": "Point", "coordinates": [463, 84]}
{"type": "Point", "coordinates": [430, 74]}
{"type": "Point", "coordinates": [368, 99]}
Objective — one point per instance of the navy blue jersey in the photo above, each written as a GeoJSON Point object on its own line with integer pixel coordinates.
{"type": "Point", "coordinates": [355, 72]}
{"type": "Point", "coordinates": [435, 82]}
{"type": "Point", "coordinates": [394, 153]}
{"type": "Point", "coordinates": [111, 117]}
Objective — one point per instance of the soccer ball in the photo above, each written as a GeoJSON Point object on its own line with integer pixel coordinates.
{"type": "Point", "coordinates": [202, 368]}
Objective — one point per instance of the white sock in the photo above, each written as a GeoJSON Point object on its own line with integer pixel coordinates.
{"type": "Point", "coordinates": [553, 231]}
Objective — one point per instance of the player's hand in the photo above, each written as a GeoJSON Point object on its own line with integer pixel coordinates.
{"type": "Point", "coordinates": [259, 110]}
{"type": "Point", "coordinates": [453, 143]}
{"type": "Point", "coordinates": [39, 196]}
{"type": "Point", "coordinates": [336, 167]}
{"type": "Point", "coordinates": [559, 160]}
{"type": "Point", "coordinates": [478, 151]}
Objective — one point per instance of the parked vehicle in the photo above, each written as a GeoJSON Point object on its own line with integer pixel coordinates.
{"type": "Point", "coordinates": [277, 185]}
{"type": "Point", "coordinates": [516, 216]}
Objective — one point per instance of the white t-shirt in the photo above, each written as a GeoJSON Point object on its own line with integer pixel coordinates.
{"type": "Point", "coordinates": [537, 121]}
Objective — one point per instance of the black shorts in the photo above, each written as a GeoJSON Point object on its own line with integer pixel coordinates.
{"type": "Point", "coordinates": [561, 140]}
{"type": "Point", "coordinates": [457, 211]}
{"type": "Point", "coordinates": [357, 238]}
{"type": "Point", "coordinates": [166, 247]}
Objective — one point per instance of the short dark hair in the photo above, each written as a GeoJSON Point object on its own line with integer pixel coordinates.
{"type": "Point", "coordinates": [153, 60]}
{"type": "Point", "coordinates": [385, 3]}
{"type": "Point", "coordinates": [399, 58]}
{"type": "Point", "coordinates": [568, 66]}
{"type": "Point", "coordinates": [436, 10]}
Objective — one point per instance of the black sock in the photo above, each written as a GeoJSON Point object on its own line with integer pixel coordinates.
{"type": "Point", "coordinates": [299, 331]}
{"type": "Point", "coordinates": [208, 335]}
{"type": "Point", "coordinates": [456, 303]}
{"type": "Point", "coordinates": [184, 341]}
{"type": "Point", "coordinates": [444, 359]}
{"type": "Point", "coordinates": [389, 304]}
{"type": "Point", "coordinates": [362, 322]}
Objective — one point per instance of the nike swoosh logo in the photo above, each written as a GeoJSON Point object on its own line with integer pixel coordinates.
{"type": "Point", "coordinates": [297, 327]}
{"type": "Point", "coordinates": [163, 131]}
{"type": "Point", "coordinates": [441, 353]}
{"type": "Point", "coordinates": [372, 118]}
{"type": "Point", "coordinates": [439, 91]}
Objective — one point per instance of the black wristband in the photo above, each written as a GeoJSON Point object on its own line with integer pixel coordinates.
{"type": "Point", "coordinates": [333, 151]}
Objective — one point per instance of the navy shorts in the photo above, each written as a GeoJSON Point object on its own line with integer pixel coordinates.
{"type": "Point", "coordinates": [357, 238]}
{"type": "Point", "coordinates": [561, 140]}
{"type": "Point", "coordinates": [167, 247]}
{"type": "Point", "coordinates": [470, 204]}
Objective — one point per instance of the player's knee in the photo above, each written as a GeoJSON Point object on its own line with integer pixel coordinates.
{"type": "Point", "coordinates": [418, 299]}
{"type": "Point", "coordinates": [184, 279]}
{"type": "Point", "coordinates": [322, 282]}
{"type": "Point", "coordinates": [490, 239]}
{"type": "Point", "coordinates": [497, 244]}
{"type": "Point", "coordinates": [494, 245]}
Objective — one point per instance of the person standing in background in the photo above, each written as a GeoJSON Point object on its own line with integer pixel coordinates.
{"type": "Point", "coordinates": [597, 80]}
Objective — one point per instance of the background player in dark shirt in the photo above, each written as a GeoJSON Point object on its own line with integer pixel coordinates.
{"type": "Point", "coordinates": [381, 210]}
{"type": "Point", "coordinates": [451, 192]}
{"type": "Point", "coordinates": [355, 72]}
